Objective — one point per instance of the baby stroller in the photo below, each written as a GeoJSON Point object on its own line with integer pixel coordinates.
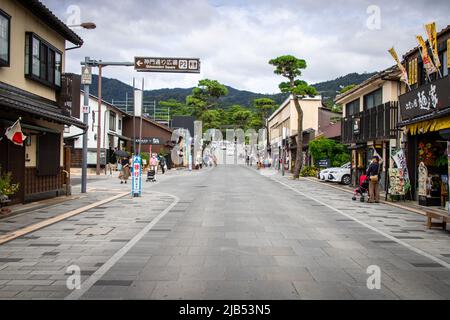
{"type": "Point", "coordinates": [363, 188]}
{"type": "Point", "coordinates": [151, 176]}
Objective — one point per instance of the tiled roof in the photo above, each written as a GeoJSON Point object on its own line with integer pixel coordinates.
{"type": "Point", "coordinates": [14, 99]}
{"type": "Point", "coordinates": [48, 17]}
{"type": "Point", "coordinates": [378, 75]}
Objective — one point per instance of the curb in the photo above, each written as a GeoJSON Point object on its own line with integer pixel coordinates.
{"type": "Point", "coordinates": [24, 231]}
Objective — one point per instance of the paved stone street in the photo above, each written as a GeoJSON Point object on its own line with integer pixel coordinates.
{"type": "Point", "coordinates": [230, 232]}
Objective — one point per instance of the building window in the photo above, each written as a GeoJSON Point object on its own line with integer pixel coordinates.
{"type": "Point", "coordinates": [42, 61]}
{"type": "Point", "coordinates": [112, 121]}
{"type": "Point", "coordinates": [352, 108]}
{"type": "Point", "coordinates": [120, 124]}
{"type": "Point", "coordinates": [373, 99]}
{"type": "Point", "coordinates": [5, 38]}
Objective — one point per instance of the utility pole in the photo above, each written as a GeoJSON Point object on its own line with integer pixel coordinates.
{"type": "Point", "coordinates": [85, 135]}
{"type": "Point", "coordinates": [99, 122]}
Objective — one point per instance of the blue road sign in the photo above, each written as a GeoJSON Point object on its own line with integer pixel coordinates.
{"type": "Point", "coordinates": [137, 177]}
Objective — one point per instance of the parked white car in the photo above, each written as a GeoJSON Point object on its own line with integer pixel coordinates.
{"type": "Point", "coordinates": [341, 174]}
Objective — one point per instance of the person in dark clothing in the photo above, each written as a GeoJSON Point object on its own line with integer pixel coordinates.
{"type": "Point", "coordinates": [162, 163]}
{"type": "Point", "coordinates": [373, 173]}
{"type": "Point", "coordinates": [125, 173]}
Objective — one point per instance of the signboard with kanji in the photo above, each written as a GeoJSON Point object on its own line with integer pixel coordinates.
{"type": "Point", "coordinates": [86, 75]}
{"type": "Point", "coordinates": [136, 177]}
{"type": "Point", "coordinates": [175, 65]}
{"type": "Point", "coordinates": [149, 141]}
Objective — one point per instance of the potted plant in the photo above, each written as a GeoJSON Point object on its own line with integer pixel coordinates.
{"type": "Point", "coordinates": [7, 189]}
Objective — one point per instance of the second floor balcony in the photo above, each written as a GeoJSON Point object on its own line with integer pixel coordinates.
{"type": "Point", "coordinates": [378, 123]}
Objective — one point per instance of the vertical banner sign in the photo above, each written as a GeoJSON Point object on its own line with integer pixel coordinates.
{"type": "Point", "coordinates": [138, 96]}
{"type": "Point", "coordinates": [404, 76]}
{"type": "Point", "coordinates": [448, 54]}
{"type": "Point", "coordinates": [427, 63]}
{"type": "Point", "coordinates": [137, 177]}
{"type": "Point", "coordinates": [430, 28]}
{"type": "Point", "coordinates": [400, 161]}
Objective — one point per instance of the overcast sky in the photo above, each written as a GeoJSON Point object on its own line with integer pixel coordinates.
{"type": "Point", "coordinates": [235, 39]}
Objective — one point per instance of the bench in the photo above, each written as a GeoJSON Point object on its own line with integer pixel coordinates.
{"type": "Point", "coordinates": [442, 216]}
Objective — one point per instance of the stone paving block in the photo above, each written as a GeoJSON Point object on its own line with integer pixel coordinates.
{"type": "Point", "coordinates": [228, 290]}
{"type": "Point", "coordinates": [296, 261]}
{"type": "Point", "coordinates": [312, 290]}
{"type": "Point", "coordinates": [7, 294]}
{"type": "Point", "coordinates": [202, 273]}
{"type": "Point", "coordinates": [175, 290]}
{"type": "Point", "coordinates": [287, 273]}
{"type": "Point", "coordinates": [160, 273]}
{"type": "Point", "coordinates": [258, 261]}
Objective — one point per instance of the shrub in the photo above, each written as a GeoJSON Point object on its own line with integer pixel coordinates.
{"type": "Point", "coordinates": [309, 171]}
{"type": "Point", "coordinates": [6, 187]}
{"type": "Point", "coordinates": [323, 148]}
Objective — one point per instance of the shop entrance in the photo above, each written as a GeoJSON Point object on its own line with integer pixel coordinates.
{"type": "Point", "coordinates": [431, 169]}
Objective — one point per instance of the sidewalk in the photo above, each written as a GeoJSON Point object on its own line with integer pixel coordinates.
{"type": "Point", "coordinates": [99, 190]}
{"type": "Point", "coordinates": [409, 205]}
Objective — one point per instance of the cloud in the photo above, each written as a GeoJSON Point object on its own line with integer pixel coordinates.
{"type": "Point", "coordinates": [235, 39]}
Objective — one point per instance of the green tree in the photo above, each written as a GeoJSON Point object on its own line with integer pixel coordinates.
{"type": "Point", "coordinates": [291, 68]}
{"type": "Point", "coordinates": [241, 118]}
{"type": "Point", "coordinates": [264, 107]}
{"type": "Point", "coordinates": [205, 96]}
{"type": "Point", "coordinates": [347, 88]}
{"type": "Point", "coordinates": [323, 148]}
{"type": "Point", "coordinates": [212, 119]}
{"type": "Point", "coordinates": [177, 108]}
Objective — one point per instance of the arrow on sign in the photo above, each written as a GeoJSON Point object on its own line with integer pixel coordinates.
{"type": "Point", "coordinates": [139, 63]}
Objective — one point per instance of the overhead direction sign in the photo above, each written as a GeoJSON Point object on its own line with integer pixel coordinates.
{"type": "Point", "coordinates": [175, 65]}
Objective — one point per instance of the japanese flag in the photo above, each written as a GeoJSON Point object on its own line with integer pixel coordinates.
{"type": "Point", "coordinates": [14, 133]}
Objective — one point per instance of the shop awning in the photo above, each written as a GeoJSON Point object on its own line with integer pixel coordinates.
{"type": "Point", "coordinates": [25, 103]}
{"type": "Point", "coordinates": [31, 127]}
{"type": "Point", "coordinates": [429, 126]}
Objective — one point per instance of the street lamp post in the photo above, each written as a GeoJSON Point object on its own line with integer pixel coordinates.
{"type": "Point", "coordinates": [85, 135]}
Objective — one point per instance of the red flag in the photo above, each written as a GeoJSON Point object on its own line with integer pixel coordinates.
{"type": "Point", "coordinates": [14, 133]}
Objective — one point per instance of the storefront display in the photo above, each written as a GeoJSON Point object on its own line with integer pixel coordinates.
{"type": "Point", "coordinates": [423, 177]}
{"type": "Point", "coordinates": [400, 161]}
{"type": "Point", "coordinates": [396, 182]}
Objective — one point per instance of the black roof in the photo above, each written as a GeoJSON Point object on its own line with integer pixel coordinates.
{"type": "Point", "coordinates": [19, 100]}
{"type": "Point", "coordinates": [43, 13]}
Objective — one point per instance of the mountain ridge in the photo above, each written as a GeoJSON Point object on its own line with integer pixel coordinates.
{"type": "Point", "coordinates": [116, 91]}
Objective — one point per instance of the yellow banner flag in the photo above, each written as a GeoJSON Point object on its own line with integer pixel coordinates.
{"type": "Point", "coordinates": [427, 63]}
{"type": "Point", "coordinates": [430, 28]}
{"type": "Point", "coordinates": [404, 76]}
{"type": "Point", "coordinates": [448, 53]}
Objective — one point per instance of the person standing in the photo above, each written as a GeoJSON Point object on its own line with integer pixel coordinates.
{"type": "Point", "coordinates": [162, 163]}
{"type": "Point", "coordinates": [125, 172]}
{"type": "Point", "coordinates": [373, 172]}
{"type": "Point", "coordinates": [154, 163]}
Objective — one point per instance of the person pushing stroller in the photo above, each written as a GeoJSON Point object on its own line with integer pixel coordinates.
{"type": "Point", "coordinates": [362, 189]}
{"type": "Point", "coordinates": [151, 173]}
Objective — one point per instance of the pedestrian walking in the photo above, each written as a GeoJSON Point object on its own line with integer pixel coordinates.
{"type": "Point", "coordinates": [125, 170]}
{"type": "Point", "coordinates": [154, 163]}
{"type": "Point", "coordinates": [162, 163]}
{"type": "Point", "coordinates": [373, 172]}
